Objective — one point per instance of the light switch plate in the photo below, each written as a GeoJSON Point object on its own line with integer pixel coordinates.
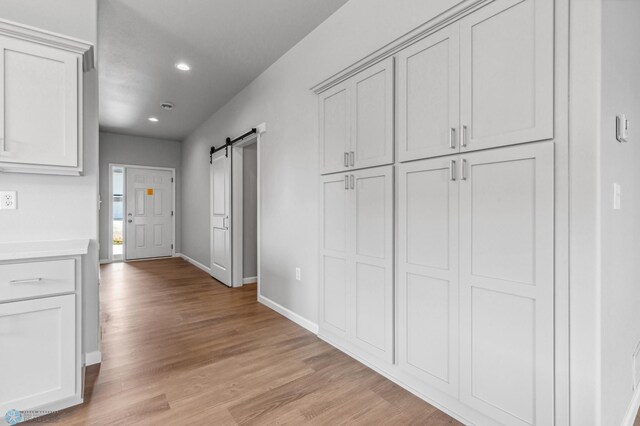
{"type": "Point", "coordinates": [8, 200]}
{"type": "Point", "coordinates": [617, 195]}
{"type": "Point", "coordinates": [622, 128]}
{"type": "Point", "coordinates": [298, 278]}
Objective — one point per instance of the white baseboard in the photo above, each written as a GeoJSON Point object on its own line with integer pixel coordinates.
{"type": "Point", "coordinates": [92, 358]}
{"type": "Point", "coordinates": [103, 261]}
{"type": "Point", "coordinates": [301, 321]}
{"type": "Point", "coordinates": [632, 411]}
{"type": "Point", "coordinates": [194, 262]}
{"type": "Point", "coordinates": [249, 280]}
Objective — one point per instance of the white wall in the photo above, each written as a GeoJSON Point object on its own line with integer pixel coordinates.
{"type": "Point", "coordinates": [139, 151]}
{"type": "Point", "coordinates": [61, 207]}
{"type": "Point", "coordinates": [620, 229]}
{"type": "Point", "coordinates": [250, 211]}
{"type": "Point", "coordinates": [289, 153]}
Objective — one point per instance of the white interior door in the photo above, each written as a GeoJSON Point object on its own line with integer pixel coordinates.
{"type": "Point", "coordinates": [149, 206]}
{"type": "Point", "coordinates": [506, 284]}
{"type": "Point", "coordinates": [220, 217]}
{"type": "Point", "coordinates": [428, 271]}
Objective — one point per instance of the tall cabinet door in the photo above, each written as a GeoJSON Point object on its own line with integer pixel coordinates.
{"type": "Point", "coordinates": [506, 283]}
{"type": "Point", "coordinates": [372, 112]}
{"type": "Point", "coordinates": [428, 271]}
{"type": "Point", "coordinates": [428, 100]}
{"type": "Point", "coordinates": [506, 84]}
{"type": "Point", "coordinates": [372, 269]}
{"type": "Point", "coordinates": [39, 113]}
{"type": "Point", "coordinates": [335, 255]}
{"type": "Point", "coordinates": [335, 128]}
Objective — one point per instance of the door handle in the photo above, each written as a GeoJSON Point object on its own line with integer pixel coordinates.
{"type": "Point", "coordinates": [452, 138]}
{"type": "Point", "coordinates": [463, 136]}
{"type": "Point", "coordinates": [130, 220]}
{"type": "Point", "coordinates": [351, 156]}
{"type": "Point", "coordinates": [346, 159]}
{"type": "Point", "coordinates": [27, 281]}
{"type": "Point", "coordinates": [463, 172]}
{"type": "Point", "coordinates": [452, 170]}
{"type": "Point", "coordinates": [225, 222]}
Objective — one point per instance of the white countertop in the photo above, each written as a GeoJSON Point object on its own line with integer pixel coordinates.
{"type": "Point", "coordinates": [38, 249]}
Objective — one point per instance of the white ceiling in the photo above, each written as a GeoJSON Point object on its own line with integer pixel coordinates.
{"type": "Point", "coordinates": [228, 43]}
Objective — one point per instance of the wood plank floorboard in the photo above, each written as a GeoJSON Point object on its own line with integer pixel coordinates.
{"type": "Point", "coordinates": [180, 348]}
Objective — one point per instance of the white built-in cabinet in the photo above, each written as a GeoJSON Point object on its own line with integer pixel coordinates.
{"type": "Point", "coordinates": [356, 121]}
{"type": "Point", "coordinates": [357, 260]}
{"type": "Point", "coordinates": [41, 325]}
{"type": "Point", "coordinates": [482, 82]}
{"type": "Point", "coordinates": [467, 315]}
{"type": "Point", "coordinates": [475, 279]}
{"type": "Point", "coordinates": [41, 107]}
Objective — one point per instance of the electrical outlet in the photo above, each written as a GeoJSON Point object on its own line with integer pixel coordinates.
{"type": "Point", "coordinates": [298, 274]}
{"type": "Point", "coordinates": [8, 200]}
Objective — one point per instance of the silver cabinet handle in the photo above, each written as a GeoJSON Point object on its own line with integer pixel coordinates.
{"type": "Point", "coordinates": [463, 172]}
{"type": "Point", "coordinates": [346, 181]}
{"type": "Point", "coordinates": [351, 156]}
{"type": "Point", "coordinates": [452, 170]}
{"type": "Point", "coordinates": [452, 138]}
{"type": "Point", "coordinates": [346, 159]}
{"type": "Point", "coordinates": [225, 222]}
{"type": "Point", "coordinates": [352, 182]}
{"type": "Point", "coordinates": [463, 136]}
{"type": "Point", "coordinates": [27, 281]}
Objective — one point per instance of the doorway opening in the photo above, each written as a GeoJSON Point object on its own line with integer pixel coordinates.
{"type": "Point", "coordinates": [235, 212]}
{"type": "Point", "coordinates": [141, 212]}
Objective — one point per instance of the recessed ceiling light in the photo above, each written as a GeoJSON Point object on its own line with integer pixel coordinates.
{"type": "Point", "coordinates": [154, 119]}
{"type": "Point", "coordinates": [183, 67]}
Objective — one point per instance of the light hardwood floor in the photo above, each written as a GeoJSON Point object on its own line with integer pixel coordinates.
{"type": "Point", "coordinates": [180, 348]}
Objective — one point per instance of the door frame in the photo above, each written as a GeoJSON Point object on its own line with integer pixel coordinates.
{"type": "Point", "coordinates": [124, 193]}
{"type": "Point", "coordinates": [237, 208]}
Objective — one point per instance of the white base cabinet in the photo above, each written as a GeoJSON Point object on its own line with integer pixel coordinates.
{"type": "Point", "coordinates": [356, 265]}
{"type": "Point", "coordinates": [37, 352]}
{"type": "Point", "coordinates": [41, 326]}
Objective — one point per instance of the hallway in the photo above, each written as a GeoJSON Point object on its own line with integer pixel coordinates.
{"type": "Point", "coordinates": [179, 347]}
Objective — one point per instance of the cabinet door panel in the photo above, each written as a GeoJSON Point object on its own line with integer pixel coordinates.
{"type": "Point", "coordinates": [334, 254]}
{"type": "Point", "coordinates": [39, 86]}
{"type": "Point", "coordinates": [37, 351]}
{"type": "Point", "coordinates": [428, 272]}
{"type": "Point", "coordinates": [507, 73]}
{"type": "Point", "coordinates": [506, 283]}
{"type": "Point", "coordinates": [428, 100]}
{"type": "Point", "coordinates": [372, 141]}
{"type": "Point", "coordinates": [372, 313]}
{"type": "Point", "coordinates": [335, 128]}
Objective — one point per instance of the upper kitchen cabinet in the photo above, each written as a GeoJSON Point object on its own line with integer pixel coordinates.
{"type": "Point", "coordinates": [356, 120]}
{"type": "Point", "coordinates": [41, 100]}
{"type": "Point", "coordinates": [506, 74]}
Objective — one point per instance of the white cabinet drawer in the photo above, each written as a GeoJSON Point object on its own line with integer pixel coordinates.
{"type": "Point", "coordinates": [36, 279]}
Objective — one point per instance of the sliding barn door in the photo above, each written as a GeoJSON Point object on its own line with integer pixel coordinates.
{"type": "Point", "coordinates": [220, 217]}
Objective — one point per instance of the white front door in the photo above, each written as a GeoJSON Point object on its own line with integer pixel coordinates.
{"type": "Point", "coordinates": [149, 205]}
{"type": "Point", "coordinates": [220, 214]}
